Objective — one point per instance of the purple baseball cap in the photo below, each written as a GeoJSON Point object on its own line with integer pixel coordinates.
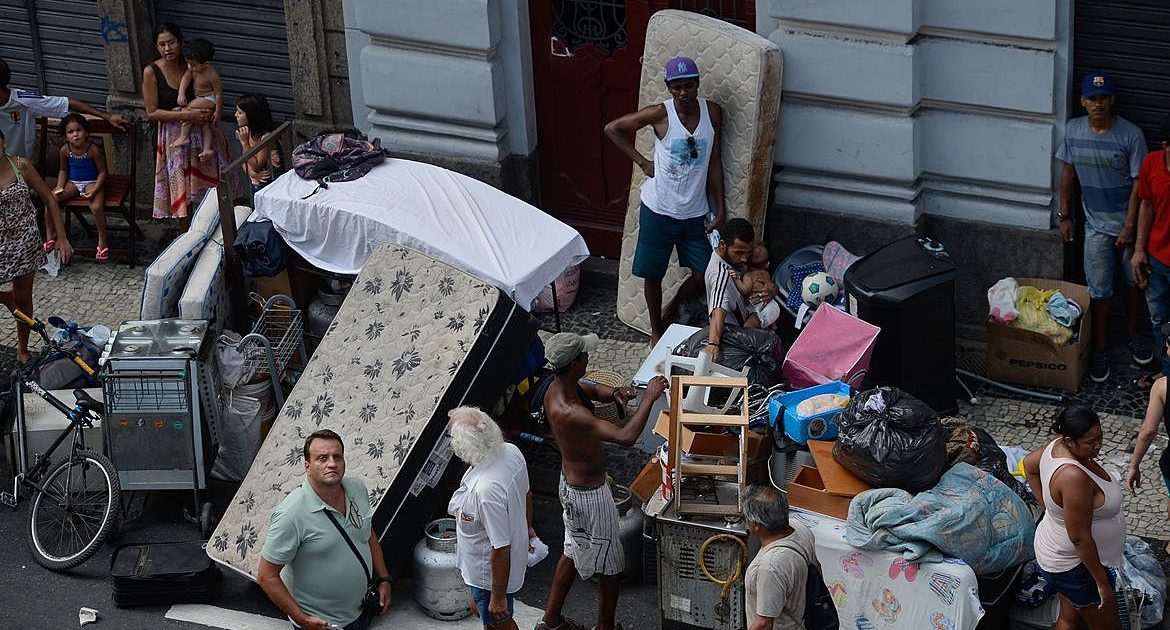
{"type": "Point", "coordinates": [681, 68]}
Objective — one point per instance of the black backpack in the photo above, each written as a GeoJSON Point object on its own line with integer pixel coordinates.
{"type": "Point", "coordinates": [819, 611]}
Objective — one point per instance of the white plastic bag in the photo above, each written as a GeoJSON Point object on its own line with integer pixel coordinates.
{"type": "Point", "coordinates": [52, 264]}
{"type": "Point", "coordinates": [1001, 300]}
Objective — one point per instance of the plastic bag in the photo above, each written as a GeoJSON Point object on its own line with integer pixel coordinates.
{"type": "Point", "coordinates": [1001, 300]}
{"type": "Point", "coordinates": [739, 347]}
{"type": "Point", "coordinates": [891, 440]}
{"type": "Point", "coordinates": [567, 284]}
{"type": "Point", "coordinates": [1142, 571]}
{"type": "Point", "coordinates": [1063, 310]}
{"type": "Point", "coordinates": [1032, 304]}
{"type": "Point", "coordinates": [239, 438]}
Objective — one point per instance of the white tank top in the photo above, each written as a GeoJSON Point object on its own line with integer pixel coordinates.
{"type": "Point", "coordinates": [679, 186]}
{"type": "Point", "coordinates": [1054, 551]}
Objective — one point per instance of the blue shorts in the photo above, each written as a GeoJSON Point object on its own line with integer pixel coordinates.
{"type": "Point", "coordinates": [1078, 586]}
{"type": "Point", "coordinates": [1102, 262]}
{"type": "Point", "coordinates": [481, 597]}
{"type": "Point", "coordinates": [658, 235]}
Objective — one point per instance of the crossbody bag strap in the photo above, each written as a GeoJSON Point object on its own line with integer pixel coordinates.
{"type": "Point", "coordinates": [800, 552]}
{"type": "Point", "coordinates": [352, 547]}
{"type": "Point", "coordinates": [16, 170]}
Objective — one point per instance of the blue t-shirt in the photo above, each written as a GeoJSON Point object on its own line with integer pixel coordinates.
{"type": "Point", "coordinates": [1107, 165]}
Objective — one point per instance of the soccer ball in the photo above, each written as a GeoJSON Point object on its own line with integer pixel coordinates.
{"type": "Point", "coordinates": [817, 288]}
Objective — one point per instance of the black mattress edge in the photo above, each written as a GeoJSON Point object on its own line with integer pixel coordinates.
{"type": "Point", "coordinates": [400, 517]}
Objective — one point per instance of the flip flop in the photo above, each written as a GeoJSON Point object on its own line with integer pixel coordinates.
{"type": "Point", "coordinates": [50, 245]}
{"type": "Point", "coordinates": [103, 253]}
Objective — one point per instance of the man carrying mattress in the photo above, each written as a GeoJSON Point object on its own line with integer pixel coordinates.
{"type": "Point", "coordinates": [593, 543]}
{"type": "Point", "coordinates": [685, 184]}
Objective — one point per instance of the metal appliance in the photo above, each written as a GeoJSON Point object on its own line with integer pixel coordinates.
{"type": "Point", "coordinates": [161, 404]}
{"type": "Point", "coordinates": [688, 598]}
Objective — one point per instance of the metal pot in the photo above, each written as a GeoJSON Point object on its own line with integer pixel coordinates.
{"type": "Point", "coordinates": [324, 307]}
{"type": "Point", "coordinates": [438, 586]}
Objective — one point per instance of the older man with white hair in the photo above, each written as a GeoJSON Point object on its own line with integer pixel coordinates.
{"type": "Point", "coordinates": [493, 515]}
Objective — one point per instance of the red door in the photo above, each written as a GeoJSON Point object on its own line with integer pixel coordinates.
{"type": "Point", "coordinates": [585, 65]}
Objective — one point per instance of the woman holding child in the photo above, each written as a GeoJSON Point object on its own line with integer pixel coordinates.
{"type": "Point", "coordinates": [184, 169]}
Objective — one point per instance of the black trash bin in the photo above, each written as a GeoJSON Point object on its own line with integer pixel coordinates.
{"type": "Point", "coordinates": [907, 288]}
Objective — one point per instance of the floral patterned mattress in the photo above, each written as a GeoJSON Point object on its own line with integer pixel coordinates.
{"type": "Point", "coordinates": [415, 338]}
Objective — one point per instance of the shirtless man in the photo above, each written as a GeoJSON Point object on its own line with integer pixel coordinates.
{"type": "Point", "coordinates": [592, 541]}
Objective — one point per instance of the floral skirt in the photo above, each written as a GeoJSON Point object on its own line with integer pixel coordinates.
{"type": "Point", "coordinates": [180, 177]}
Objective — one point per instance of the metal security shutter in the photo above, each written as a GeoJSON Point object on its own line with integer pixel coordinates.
{"type": "Point", "coordinates": [1130, 39]}
{"type": "Point", "coordinates": [73, 58]}
{"type": "Point", "coordinates": [251, 46]}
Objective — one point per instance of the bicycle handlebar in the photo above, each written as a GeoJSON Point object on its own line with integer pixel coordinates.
{"type": "Point", "coordinates": [39, 327]}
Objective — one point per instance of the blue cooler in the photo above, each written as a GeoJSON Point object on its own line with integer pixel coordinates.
{"type": "Point", "coordinates": [800, 428]}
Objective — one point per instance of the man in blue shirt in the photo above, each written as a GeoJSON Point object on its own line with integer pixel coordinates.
{"type": "Point", "coordinates": [1103, 152]}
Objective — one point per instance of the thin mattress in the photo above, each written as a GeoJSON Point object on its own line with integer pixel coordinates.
{"type": "Point", "coordinates": [453, 218]}
{"type": "Point", "coordinates": [739, 70]}
{"type": "Point", "coordinates": [415, 338]}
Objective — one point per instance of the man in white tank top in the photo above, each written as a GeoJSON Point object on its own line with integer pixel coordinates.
{"type": "Point", "coordinates": [685, 184]}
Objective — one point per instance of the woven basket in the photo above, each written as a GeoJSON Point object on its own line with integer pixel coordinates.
{"type": "Point", "coordinates": [607, 410]}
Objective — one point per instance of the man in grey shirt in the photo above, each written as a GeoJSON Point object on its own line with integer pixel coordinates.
{"type": "Point", "coordinates": [775, 582]}
{"type": "Point", "coordinates": [1103, 153]}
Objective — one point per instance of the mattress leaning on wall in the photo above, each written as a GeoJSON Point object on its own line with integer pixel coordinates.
{"type": "Point", "coordinates": [739, 70]}
{"type": "Point", "coordinates": [414, 339]}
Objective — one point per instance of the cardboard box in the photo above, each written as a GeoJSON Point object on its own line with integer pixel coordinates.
{"type": "Point", "coordinates": [647, 481]}
{"type": "Point", "coordinates": [826, 489]}
{"type": "Point", "coordinates": [1024, 357]}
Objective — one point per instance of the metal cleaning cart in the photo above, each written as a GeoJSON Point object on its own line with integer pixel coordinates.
{"type": "Point", "coordinates": [162, 407]}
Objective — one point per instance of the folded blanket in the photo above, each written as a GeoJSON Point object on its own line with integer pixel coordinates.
{"type": "Point", "coordinates": [969, 515]}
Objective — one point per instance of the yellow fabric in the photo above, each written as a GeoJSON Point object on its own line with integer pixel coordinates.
{"type": "Point", "coordinates": [1032, 303]}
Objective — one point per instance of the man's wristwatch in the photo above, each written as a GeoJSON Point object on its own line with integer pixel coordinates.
{"type": "Point", "coordinates": [385, 578]}
{"type": "Point", "coordinates": [1060, 216]}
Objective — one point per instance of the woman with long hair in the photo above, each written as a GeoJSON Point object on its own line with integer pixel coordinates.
{"type": "Point", "coordinates": [182, 174]}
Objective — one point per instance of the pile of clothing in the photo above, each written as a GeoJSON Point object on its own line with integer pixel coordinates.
{"type": "Point", "coordinates": [1048, 312]}
{"type": "Point", "coordinates": [937, 486]}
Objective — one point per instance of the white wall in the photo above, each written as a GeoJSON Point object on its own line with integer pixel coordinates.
{"type": "Point", "coordinates": [449, 78]}
{"type": "Point", "coordinates": [896, 108]}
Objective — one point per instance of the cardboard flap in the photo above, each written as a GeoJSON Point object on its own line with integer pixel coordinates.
{"type": "Point", "coordinates": [837, 480]}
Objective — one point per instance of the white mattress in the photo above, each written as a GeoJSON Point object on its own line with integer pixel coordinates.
{"type": "Point", "coordinates": [205, 295]}
{"type": "Point", "coordinates": [414, 338]}
{"type": "Point", "coordinates": [456, 219]}
{"type": "Point", "coordinates": [739, 70]}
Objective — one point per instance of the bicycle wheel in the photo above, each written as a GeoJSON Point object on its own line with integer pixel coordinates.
{"type": "Point", "coordinates": [75, 512]}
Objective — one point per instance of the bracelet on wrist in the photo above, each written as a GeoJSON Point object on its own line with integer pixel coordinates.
{"type": "Point", "coordinates": [385, 578]}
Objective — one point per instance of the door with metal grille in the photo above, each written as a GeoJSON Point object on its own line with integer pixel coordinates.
{"type": "Point", "coordinates": [586, 67]}
{"type": "Point", "coordinates": [251, 46]}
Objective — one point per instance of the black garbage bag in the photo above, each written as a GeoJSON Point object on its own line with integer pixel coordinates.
{"type": "Point", "coordinates": [992, 459]}
{"type": "Point", "coordinates": [739, 347]}
{"type": "Point", "coordinates": [891, 439]}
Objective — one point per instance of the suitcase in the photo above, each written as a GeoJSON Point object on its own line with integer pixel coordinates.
{"type": "Point", "coordinates": [159, 574]}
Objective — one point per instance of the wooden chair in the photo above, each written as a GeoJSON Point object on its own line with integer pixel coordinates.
{"type": "Point", "coordinates": [121, 194]}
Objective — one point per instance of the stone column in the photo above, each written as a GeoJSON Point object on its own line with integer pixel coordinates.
{"type": "Point", "coordinates": [447, 82]}
{"type": "Point", "coordinates": [129, 43]}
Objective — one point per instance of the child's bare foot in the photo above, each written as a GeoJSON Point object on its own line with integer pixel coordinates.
{"type": "Point", "coordinates": [206, 154]}
{"type": "Point", "coordinates": [23, 356]}
{"type": "Point", "coordinates": [1168, 548]}
{"type": "Point", "coordinates": [179, 142]}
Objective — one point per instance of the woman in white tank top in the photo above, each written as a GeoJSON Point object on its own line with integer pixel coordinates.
{"type": "Point", "coordinates": [1081, 538]}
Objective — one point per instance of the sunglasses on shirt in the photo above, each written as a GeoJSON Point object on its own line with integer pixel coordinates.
{"type": "Point", "coordinates": [693, 146]}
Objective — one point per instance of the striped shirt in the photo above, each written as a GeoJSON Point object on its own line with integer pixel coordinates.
{"type": "Point", "coordinates": [1107, 165]}
{"type": "Point", "coordinates": [722, 292]}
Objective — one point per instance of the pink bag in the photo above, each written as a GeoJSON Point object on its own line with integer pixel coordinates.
{"type": "Point", "coordinates": [834, 346]}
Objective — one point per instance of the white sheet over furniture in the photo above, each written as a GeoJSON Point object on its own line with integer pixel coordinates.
{"type": "Point", "coordinates": [451, 217]}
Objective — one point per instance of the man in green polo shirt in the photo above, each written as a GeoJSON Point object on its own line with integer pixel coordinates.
{"type": "Point", "coordinates": [323, 582]}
